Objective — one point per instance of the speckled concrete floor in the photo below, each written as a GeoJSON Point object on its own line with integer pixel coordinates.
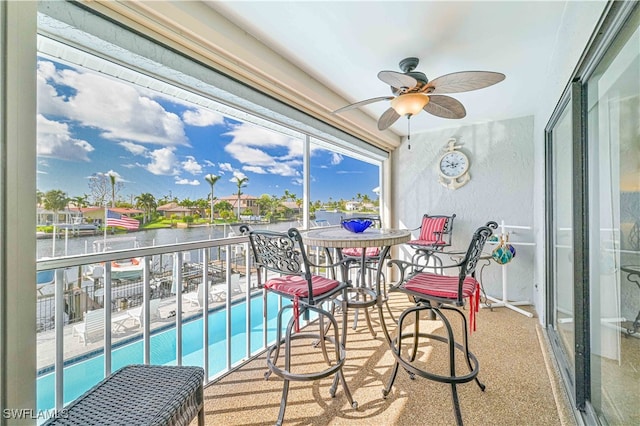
{"type": "Point", "coordinates": [522, 386]}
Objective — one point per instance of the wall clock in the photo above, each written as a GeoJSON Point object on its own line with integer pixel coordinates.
{"type": "Point", "coordinates": [453, 167]}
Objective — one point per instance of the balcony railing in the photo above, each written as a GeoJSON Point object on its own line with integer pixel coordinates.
{"type": "Point", "coordinates": [171, 273]}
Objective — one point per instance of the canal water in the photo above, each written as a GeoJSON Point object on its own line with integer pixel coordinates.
{"type": "Point", "coordinates": [71, 246]}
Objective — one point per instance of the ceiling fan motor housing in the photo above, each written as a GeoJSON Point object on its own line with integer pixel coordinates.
{"type": "Point", "coordinates": [408, 65]}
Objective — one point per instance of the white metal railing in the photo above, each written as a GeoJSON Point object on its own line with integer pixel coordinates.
{"type": "Point", "coordinates": [204, 248]}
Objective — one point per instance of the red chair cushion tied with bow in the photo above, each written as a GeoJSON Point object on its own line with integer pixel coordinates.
{"type": "Point", "coordinates": [439, 294]}
{"type": "Point", "coordinates": [446, 287]}
{"type": "Point", "coordinates": [298, 287]}
{"type": "Point", "coordinates": [357, 252]}
{"type": "Point", "coordinates": [284, 255]}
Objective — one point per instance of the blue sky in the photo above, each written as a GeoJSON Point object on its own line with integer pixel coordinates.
{"type": "Point", "coordinates": [90, 123]}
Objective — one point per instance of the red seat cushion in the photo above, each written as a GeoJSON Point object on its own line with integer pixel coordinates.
{"type": "Point", "coordinates": [357, 252]}
{"type": "Point", "coordinates": [431, 229]}
{"type": "Point", "coordinates": [426, 243]}
{"type": "Point", "coordinates": [446, 286]}
{"type": "Point", "coordinates": [295, 285]}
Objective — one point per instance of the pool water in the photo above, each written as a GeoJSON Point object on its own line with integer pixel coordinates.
{"type": "Point", "coordinates": [82, 375]}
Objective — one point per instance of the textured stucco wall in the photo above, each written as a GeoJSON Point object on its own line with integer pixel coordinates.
{"type": "Point", "coordinates": [501, 188]}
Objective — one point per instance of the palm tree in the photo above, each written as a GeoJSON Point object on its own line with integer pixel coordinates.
{"type": "Point", "coordinates": [55, 200]}
{"type": "Point", "coordinates": [212, 179]}
{"type": "Point", "coordinates": [241, 182]}
{"type": "Point", "coordinates": [148, 203]}
{"type": "Point", "coordinates": [80, 201]}
{"type": "Point", "coordinates": [112, 179]}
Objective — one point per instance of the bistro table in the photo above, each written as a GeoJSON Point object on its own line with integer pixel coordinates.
{"type": "Point", "coordinates": [339, 238]}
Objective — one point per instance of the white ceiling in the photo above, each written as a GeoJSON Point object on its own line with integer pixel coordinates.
{"type": "Point", "coordinates": [345, 44]}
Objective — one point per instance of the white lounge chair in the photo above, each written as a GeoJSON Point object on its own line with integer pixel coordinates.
{"type": "Point", "coordinates": [219, 291]}
{"type": "Point", "coordinates": [93, 325]}
{"type": "Point", "coordinates": [137, 313]}
{"type": "Point", "coordinates": [196, 298]}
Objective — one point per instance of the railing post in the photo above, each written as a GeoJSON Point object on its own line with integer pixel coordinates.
{"type": "Point", "coordinates": [228, 305]}
{"type": "Point", "coordinates": [247, 289]}
{"type": "Point", "coordinates": [59, 327]}
{"type": "Point", "coordinates": [146, 304]}
{"type": "Point", "coordinates": [177, 268]}
{"type": "Point", "coordinates": [205, 314]}
{"type": "Point", "coordinates": [107, 318]}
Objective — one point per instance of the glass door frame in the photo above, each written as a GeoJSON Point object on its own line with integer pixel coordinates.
{"type": "Point", "coordinates": [578, 384]}
{"type": "Point", "coordinates": [575, 380]}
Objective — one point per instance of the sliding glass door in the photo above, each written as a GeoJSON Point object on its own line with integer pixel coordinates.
{"type": "Point", "coordinates": [593, 217]}
{"type": "Point", "coordinates": [614, 224]}
{"type": "Point", "coordinates": [562, 235]}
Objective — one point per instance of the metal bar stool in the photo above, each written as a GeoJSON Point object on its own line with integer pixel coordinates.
{"type": "Point", "coordinates": [284, 254]}
{"type": "Point", "coordinates": [435, 234]}
{"type": "Point", "coordinates": [439, 293]}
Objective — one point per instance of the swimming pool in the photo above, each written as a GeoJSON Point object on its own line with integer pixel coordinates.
{"type": "Point", "coordinates": [82, 375]}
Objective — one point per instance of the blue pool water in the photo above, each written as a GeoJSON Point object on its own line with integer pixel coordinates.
{"type": "Point", "coordinates": [81, 376]}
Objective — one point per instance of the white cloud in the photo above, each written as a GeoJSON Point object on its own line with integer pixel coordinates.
{"type": "Point", "coordinates": [283, 169]}
{"type": "Point", "coordinates": [133, 148]}
{"type": "Point", "coordinates": [255, 169]}
{"type": "Point", "coordinates": [116, 108]}
{"type": "Point", "coordinates": [202, 118]}
{"type": "Point", "coordinates": [163, 162]}
{"type": "Point", "coordinates": [40, 172]}
{"type": "Point", "coordinates": [237, 175]}
{"type": "Point", "coordinates": [209, 163]}
{"type": "Point", "coordinates": [115, 174]}
{"type": "Point", "coordinates": [297, 181]}
{"type": "Point", "coordinates": [180, 181]}
{"type": "Point", "coordinates": [226, 167]}
{"type": "Point", "coordinates": [254, 146]}
{"type": "Point", "coordinates": [55, 141]}
{"type": "Point", "coordinates": [336, 159]}
{"type": "Point", "coordinates": [192, 166]}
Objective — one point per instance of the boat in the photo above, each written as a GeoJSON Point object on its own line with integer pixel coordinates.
{"type": "Point", "coordinates": [78, 226]}
{"type": "Point", "coordinates": [125, 269]}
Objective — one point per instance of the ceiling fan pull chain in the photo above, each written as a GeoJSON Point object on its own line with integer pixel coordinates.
{"type": "Point", "coordinates": [409, 130]}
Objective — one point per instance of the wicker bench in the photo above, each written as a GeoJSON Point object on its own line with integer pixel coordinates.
{"type": "Point", "coordinates": [140, 395]}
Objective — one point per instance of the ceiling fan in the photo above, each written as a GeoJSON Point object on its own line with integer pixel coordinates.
{"type": "Point", "coordinates": [413, 92]}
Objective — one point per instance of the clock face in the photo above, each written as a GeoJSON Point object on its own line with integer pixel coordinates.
{"type": "Point", "coordinates": [453, 164]}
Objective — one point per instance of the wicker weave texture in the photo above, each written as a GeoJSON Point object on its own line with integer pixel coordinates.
{"type": "Point", "coordinates": [139, 395]}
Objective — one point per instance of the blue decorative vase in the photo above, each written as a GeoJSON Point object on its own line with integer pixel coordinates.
{"type": "Point", "coordinates": [356, 225]}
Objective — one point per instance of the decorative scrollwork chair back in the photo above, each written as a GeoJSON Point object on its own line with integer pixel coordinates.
{"type": "Point", "coordinates": [470, 261]}
{"type": "Point", "coordinates": [283, 253]}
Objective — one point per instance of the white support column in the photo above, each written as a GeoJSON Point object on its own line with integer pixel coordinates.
{"type": "Point", "coordinates": [17, 208]}
{"type": "Point", "coordinates": [306, 182]}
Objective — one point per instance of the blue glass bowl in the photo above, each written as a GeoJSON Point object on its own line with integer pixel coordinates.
{"type": "Point", "coordinates": [356, 225]}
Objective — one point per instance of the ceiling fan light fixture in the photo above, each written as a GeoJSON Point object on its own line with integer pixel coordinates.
{"type": "Point", "coordinates": [409, 103]}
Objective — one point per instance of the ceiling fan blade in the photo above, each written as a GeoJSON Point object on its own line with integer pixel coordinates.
{"type": "Point", "coordinates": [445, 107]}
{"type": "Point", "coordinates": [464, 81]}
{"type": "Point", "coordinates": [361, 103]}
{"type": "Point", "coordinates": [397, 79]}
{"type": "Point", "coordinates": [387, 118]}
